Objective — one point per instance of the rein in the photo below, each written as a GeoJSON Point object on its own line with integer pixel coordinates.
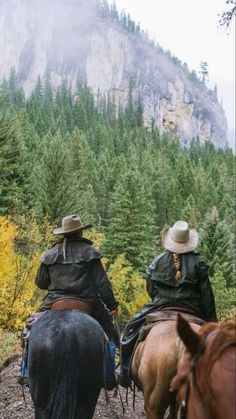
{"type": "Point", "coordinates": [117, 390]}
{"type": "Point", "coordinates": [191, 377]}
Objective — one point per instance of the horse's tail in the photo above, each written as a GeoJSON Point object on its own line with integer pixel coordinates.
{"type": "Point", "coordinates": [65, 378]}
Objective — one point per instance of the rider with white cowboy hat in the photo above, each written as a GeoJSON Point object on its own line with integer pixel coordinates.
{"type": "Point", "coordinates": [178, 278]}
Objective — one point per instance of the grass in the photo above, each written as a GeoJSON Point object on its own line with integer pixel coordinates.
{"type": "Point", "coordinates": [9, 345]}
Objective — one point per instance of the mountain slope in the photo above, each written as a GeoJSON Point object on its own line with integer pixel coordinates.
{"type": "Point", "coordinates": [82, 41]}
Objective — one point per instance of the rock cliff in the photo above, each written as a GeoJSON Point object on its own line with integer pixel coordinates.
{"type": "Point", "coordinates": [74, 39]}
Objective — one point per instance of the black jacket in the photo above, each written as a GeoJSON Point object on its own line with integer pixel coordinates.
{"type": "Point", "coordinates": [193, 291]}
{"type": "Point", "coordinates": [78, 273]}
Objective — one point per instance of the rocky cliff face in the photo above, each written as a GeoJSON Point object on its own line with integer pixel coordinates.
{"type": "Point", "coordinates": [70, 38]}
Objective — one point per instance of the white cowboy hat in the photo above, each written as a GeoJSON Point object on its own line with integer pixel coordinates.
{"type": "Point", "coordinates": [71, 224]}
{"type": "Point", "coordinates": [179, 238]}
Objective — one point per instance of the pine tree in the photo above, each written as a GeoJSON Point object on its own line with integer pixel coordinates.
{"type": "Point", "coordinates": [48, 103]}
{"type": "Point", "coordinates": [190, 212]}
{"type": "Point", "coordinates": [80, 116]}
{"type": "Point", "coordinates": [204, 74]}
{"type": "Point", "coordinates": [131, 221]}
{"type": "Point", "coordinates": [166, 190]}
{"type": "Point", "coordinates": [184, 176]}
{"type": "Point", "coordinates": [38, 92]}
{"type": "Point", "coordinates": [217, 246]}
{"type": "Point", "coordinates": [35, 109]}
{"type": "Point", "coordinates": [224, 296]}
{"type": "Point", "coordinates": [111, 107]}
{"type": "Point", "coordinates": [52, 183]}
{"type": "Point", "coordinates": [113, 11]}
{"type": "Point", "coordinates": [204, 191]}
{"type": "Point", "coordinates": [130, 109]}
{"type": "Point", "coordinates": [11, 164]}
{"type": "Point", "coordinates": [139, 112]}
{"type": "Point", "coordinates": [83, 166]}
{"type": "Point", "coordinates": [15, 92]}
{"type": "Point", "coordinates": [83, 159]}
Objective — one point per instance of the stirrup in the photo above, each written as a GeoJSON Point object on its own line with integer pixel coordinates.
{"type": "Point", "coordinates": [124, 379]}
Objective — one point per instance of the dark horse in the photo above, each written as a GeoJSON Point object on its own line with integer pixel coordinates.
{"type": "Point", "coordinates": [205, 381]}
{"type": "Point", "coordinates": [66, 365]}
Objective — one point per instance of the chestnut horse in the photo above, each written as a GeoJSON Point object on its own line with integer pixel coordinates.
{"type": "Point", "coordinates": [206, 379]}
{"type": "Point", "coordinates": [154, 364]}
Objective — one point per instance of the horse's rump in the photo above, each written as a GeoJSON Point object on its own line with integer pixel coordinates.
{"type": "Point", "coordinates": [66, 370]}
{"type": "Point", "coordinates": [154, 364]}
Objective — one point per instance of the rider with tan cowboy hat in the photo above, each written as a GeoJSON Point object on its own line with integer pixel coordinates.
{"type": "Point", "coordinates": [72, 273]}
{"type": "Point", "coordinates": [176, 278]}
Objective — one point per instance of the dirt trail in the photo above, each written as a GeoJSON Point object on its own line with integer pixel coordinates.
{"type": "Point", "coordinates": [13, 406]}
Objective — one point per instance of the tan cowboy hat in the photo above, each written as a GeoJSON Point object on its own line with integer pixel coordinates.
{"type": "Point", "coordinates": [71, 224]}
{"type": "Point", "coordinates": [179, 238]}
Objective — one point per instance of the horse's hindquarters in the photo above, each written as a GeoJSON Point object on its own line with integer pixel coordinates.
{"type": "Point", "coordinates": [154, 364]}
{"type": "Point", "coordinates": [66, 352]}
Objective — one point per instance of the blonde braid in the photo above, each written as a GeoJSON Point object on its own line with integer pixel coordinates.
{"type": "Point", "coordinates": [64, 247]}
{"type": "Point", "coordinates": [176, 261]}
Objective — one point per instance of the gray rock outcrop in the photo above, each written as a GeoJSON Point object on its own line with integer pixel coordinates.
{"type": "Point", "coordinates": [70, 38]}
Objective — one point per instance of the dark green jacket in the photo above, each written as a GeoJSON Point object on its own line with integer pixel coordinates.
{"type": "Point", "coordinates": [193, 291]}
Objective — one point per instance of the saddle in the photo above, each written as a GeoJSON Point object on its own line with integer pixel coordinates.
{"type": "Point", "coordinates": [67, 303]}
{"type": "Point", "coordinates": [72, 303]}
{"type": "Point", "coordinates": [171, 313]}
{"type": "Point", "coordinates": [167, 313]}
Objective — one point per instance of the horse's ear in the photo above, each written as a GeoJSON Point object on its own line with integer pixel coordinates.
{"type": "Point", "coordinates": [188, 336]}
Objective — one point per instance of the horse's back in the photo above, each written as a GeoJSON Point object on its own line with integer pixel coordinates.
{"type": "Point", "coordinates": [161, 348]}
{"type": "Point", "coordinates": [66, 353]}
{"type": "Point", "coordinates": [158, 353]}
{"type": "Point", "coordinates": [54, 321]}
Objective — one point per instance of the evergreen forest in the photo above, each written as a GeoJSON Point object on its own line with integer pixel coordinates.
{"type": "Point", "coordinates": [64, 152]}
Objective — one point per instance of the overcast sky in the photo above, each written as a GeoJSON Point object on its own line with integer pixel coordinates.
{"type": "Point", "coordinates": [189, 29]}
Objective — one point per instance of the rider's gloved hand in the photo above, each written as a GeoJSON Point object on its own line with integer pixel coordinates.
{"type": "Point", "coordinates": [113, 313]}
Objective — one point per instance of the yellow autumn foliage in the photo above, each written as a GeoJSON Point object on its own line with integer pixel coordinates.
{"type": "Point", "coordinates": [17, 273]}
{"type": "Point", "coordinates": [95, 236]}
{"type": "Point", "coordinates": [129, 288]}
{"type": "Point", "coordinates": [18, 294]}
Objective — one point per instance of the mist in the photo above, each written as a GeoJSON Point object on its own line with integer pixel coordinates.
{"type": "Point", "coordinates": [73, 39]}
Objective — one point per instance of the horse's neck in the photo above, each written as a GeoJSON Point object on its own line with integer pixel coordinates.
{"type": "Point", "coordinates": [212, 392]}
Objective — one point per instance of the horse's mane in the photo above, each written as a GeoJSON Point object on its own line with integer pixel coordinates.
{"type": "Point", "coordinates": [217, 337]}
